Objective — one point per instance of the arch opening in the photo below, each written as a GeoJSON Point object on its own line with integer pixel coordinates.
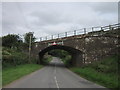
{"type": "Point", "coordinates": [63, 56]}
{"type": "Point", "coordinates": [76, 55]}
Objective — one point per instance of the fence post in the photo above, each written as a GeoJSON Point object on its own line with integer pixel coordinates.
{"type": "Point", "coordinates": [74, 32]}
{"type": "Point", "coordinates": [65, 34]}
{"type": "Point", "coordinates": [58, 35]}
{"type": "Point", "coordinates": [101, 28]}
{"type": "Point", "coordinates": [84, 30]}
{"type": "Point", "coordinates": [110, 27]}
{"type": "Point", "coordinates": [40, 38]}
{"type": "Point", "coordinates": [92, 30]}
{"type": "Point", "coordinates": [52, 36]}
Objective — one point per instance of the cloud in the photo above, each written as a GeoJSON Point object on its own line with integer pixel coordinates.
{"type": "Point", "coordinates": [46, 18]}
{"type": "Point", "coordinates": [105, 7]}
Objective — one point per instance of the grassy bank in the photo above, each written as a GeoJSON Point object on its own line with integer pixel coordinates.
{"type": "Point", "coordinates": [107, 80]}
{"type": "Point", "coordinates": [103, 72]}
{"type": "Point", "coordinates": [13, 73]}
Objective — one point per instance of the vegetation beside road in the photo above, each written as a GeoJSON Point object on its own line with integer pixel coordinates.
{"type": "Point", "coordinates": [16, 64]}
{"type": "Point", "coordinates": [104, 72]}
{"type": "Point", "coordinates": [15, 57]}
{"type": "Point", "coordinates": [15, 50]}
{"type": "Point", "coordinates": [13, 73]}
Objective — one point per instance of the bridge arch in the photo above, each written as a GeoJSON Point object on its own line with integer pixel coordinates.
{"type": "Point", "coordinates": [77, 55]}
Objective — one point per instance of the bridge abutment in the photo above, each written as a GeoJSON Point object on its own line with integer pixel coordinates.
{"type": "Point", "coordinates": [77, 59]}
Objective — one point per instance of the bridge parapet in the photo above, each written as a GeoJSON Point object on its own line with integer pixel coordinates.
{"type": "Point", "coordinates": [93, 47]}
{"type": "Point", "coordinates": [93, 31]}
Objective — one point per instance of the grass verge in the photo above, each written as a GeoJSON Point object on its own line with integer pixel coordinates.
{"type": "Point", "coordinates": [104, 72]}
{"type": "Point", "coordinates": [107, 80]}
{"type": "Point", "coordinates": [13, 73]}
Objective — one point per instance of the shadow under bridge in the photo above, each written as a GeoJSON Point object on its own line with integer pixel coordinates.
{"type": "Point", "coordinates": [77, 55]}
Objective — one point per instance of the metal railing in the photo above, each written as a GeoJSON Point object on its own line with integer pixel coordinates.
{"type": "Point", "coordinates": [80, 32]}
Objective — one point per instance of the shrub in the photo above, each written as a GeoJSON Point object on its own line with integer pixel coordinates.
{"type": "Point", "coordinates": [12, 57]}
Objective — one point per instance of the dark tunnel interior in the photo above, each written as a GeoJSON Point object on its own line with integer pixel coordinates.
{"type": "Point", "coordinates": [77, 55]}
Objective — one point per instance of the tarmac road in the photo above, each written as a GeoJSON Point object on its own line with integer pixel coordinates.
{"type": "Point", "coordinates": [54, 75]}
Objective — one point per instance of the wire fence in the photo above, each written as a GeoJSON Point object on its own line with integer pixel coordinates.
{"type": "Point", "coordinates": [80, 32]}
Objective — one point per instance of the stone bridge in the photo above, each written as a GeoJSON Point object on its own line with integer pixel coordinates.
{"type": "Point", "coordinates": [84, 49]}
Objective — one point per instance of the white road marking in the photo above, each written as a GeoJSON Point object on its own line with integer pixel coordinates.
{"type": "Point", "coordinates": [56, 82]}
{"type": "Point", "coordinates": [55, 69]}
{"type": "Point", "coordinates": [55, 77]}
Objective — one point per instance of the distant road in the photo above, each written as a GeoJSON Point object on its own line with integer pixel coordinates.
{"type": "Point", "coordinates": [54, 75]}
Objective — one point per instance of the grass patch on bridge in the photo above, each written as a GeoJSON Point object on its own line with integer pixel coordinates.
{"type": "Point", "coordinates": [13, 73]}
{"type": "Point", "coordinates": [104, 72]}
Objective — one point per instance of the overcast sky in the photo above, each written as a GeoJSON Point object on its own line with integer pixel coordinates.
{"type": "Point", "coordinates": [46, 18]}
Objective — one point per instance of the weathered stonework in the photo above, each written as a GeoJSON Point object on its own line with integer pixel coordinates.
{"type": "Point", "coordinates": [87, 49]}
